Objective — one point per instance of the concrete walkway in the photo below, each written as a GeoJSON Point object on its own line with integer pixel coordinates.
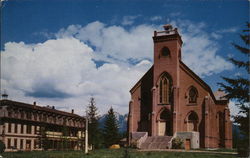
{"type": "Point", "coordinates": [192, 151]}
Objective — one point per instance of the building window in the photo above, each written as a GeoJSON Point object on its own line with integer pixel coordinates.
{"type": "Point", "coordinates": [16, 125]}
{"type": "Point", "coordinates": [15, 143]}
{"type": "Point", "coordinates": [193, 94]}
{"type": "Point", "coordinates": [164, 90]}
{"type": "Point", "coordinates": [37, 129]}
{"type": "Point", "coordinates": [28, 144]}
{"type": "Point", "coordinates": [9, 114]}
{"type": "Point", "coordinates": [22, 115]}
{"type": "Point", "coordinates": [22, 128]}
{"type": "Point", "coordinates": [192, 122]}
{"type": "Point", "coordinates": [44, 118]}
{"type": "Point", "coordinates": [35, 117]}
{"type": "Point", "coordinates": [28, 129]}
{"type": "Point", "coordinates": [165, 51]}
{"type": "Point", "coordinates": [9, 127]}
{"type": "Point", "coordinates": [9, 143]}
{"type": "Point", "coordinates": [21, 143]}
{"type": "Point", "coordinates": [40, 117]}
{"type": "Point", "coordinates": [28, 115]}
{"type": "Point", "coordinates": [35, 144]}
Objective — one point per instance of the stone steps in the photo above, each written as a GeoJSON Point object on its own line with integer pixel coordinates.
{"type": "Point", "coordinates": [156, 142]}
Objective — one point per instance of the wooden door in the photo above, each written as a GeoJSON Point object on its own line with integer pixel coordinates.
{"type": "Point", "coordinates": [162, 128]}
{"type": "Point", "coordinates": [187, 144]}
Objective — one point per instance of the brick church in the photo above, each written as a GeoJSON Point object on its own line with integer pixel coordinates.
{"type": "Point", "coordinates": [170, 101]}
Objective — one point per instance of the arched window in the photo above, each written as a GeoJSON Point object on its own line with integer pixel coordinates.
{"type": "Point", "coordinates": [193, 94]}
{"type": "Point", "coordinates": [165, 84]}
{"type": "Point", "coordinates": [192, 121]}
{"type": "Point", "coordinates": [165, 51]}
{"type": "Point", "coordinates": [193, 117]}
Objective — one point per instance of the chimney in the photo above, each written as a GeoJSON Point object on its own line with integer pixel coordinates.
{"type": "Point", "coordinates": [34, 103]}
{"type": "Point", "coordinates": [72, 111]}
{"type": "Point", "coordinates": [53, 107]}
{"type": "Point", "coordinates": [5, 95]}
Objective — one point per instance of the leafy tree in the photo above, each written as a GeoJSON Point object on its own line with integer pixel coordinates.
{"type": "Point", "coordinates": [237, 89]}
{"type": "Point", "coordinates": [110, 131]}
{"type": "Point", "coordinates": [2, 147]}
{"type": "Point", "coordinates": [44, 139]}
{"type": "Point", "coordinates": [65, 133]}
{"type": "Point", "coordinates": [93, 124]}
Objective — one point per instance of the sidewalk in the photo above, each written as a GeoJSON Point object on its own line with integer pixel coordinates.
{"type": "Point", "coordinates": [192, 151]}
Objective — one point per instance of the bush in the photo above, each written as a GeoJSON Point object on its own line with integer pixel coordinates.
{"type": "Point", "coordinates": [2, 147]}
{"type": "Point", "coordinates": [177, 143]}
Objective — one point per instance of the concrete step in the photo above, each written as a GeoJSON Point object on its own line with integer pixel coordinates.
{"type": "Point", "coordinates": [156, 142]}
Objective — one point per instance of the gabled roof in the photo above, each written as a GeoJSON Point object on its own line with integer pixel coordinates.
{"type": "Point", "coordinates": [195, 77]}
{"type": "Point", "coordinates": [137, 83]}
{"type": "Point", "coordinates": [202, 83]}
{"type": "Point", "coordinates": [36, 107]}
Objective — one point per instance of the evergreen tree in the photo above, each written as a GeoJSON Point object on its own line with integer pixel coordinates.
{"type": "Point", "coordinates": [237, 89]}
{"type": "Point", "coordinates": [110, 131]}
{"type": "Point", "coordinates": [93, 124]}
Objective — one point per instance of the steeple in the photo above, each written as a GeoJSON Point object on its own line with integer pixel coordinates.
{"type": "Point", "coordinates": [166, 39]}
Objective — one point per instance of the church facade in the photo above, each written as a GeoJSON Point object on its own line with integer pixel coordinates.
{"type": "Point", "coordinates": [170, 99]}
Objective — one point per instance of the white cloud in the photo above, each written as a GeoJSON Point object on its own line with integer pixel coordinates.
{"type": "Point", "coordinates": [61, 72]}
{"type": "Point", "coordinates": [129, 20]}
{"type": "Point", "coordinates": [65, 71]}
{"type": "Point", "coordinates": [156, 18]}
{"type": "Point", "coordinates": [234, 110]}
{"type": "Point", "coordinates": [200, 50]}
{"type": "Point", "coordinates": [228, 30]}
{"type": "Point", "coordinates": [114, 43]}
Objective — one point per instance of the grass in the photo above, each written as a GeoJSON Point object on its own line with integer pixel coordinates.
{"type": "Point", "coordinates": [113, 153]}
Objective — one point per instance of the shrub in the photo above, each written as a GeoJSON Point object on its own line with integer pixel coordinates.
{"type": "Point", "coordinates": [2, 147]}
{"type": "Point", "coordinates": [177, 143]}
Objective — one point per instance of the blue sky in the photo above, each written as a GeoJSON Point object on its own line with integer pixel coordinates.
{"type": "Point", "coordinates": [61, 52]}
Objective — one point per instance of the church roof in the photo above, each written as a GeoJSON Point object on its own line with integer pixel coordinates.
{"type": "Point", "coordinates": [217, 100]}
{"type": "Point", "coordinates": [203, 84]}
{"type": "Point", "coordinates": [137, 83]}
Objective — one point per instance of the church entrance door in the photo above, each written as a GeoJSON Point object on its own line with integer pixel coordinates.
{"type": "Point", "coordinates": [162, 128]}
{"type": "Point", "coordinates": [164, 123]}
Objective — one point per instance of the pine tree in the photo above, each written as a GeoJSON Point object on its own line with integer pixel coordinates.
{"type": "Point", "coordinates": [237, 88]}
{"type": "Point", "coordinates": [93, 124]}
{"type": "Point", "coordinates": [110, 131]}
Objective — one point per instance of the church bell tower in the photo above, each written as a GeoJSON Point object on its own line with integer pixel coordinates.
{"type": "Point", "coordinates": [167, 55]}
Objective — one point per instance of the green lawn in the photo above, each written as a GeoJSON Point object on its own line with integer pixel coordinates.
{"type": "Point", "coordinates": [113, 153]}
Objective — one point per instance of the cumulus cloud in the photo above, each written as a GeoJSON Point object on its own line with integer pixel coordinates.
{"type": "Point", "coordinates": [61, 72]}
{"type": "Point", "coordinates": [200, 50]}
{"type": "Point", "coordinates": [114, 43]}
{"type": "Point", "coordinates": [65, 72]}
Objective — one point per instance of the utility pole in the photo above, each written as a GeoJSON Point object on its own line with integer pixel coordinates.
{"type": "Point", "coordinates": [86, 134]}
